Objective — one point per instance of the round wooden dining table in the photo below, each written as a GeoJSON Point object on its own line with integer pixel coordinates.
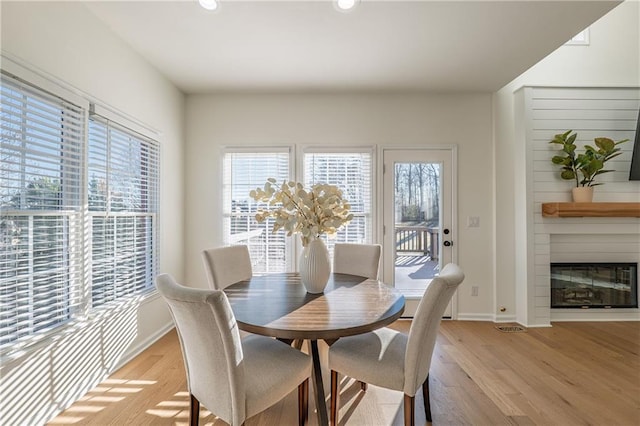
{"type": "Point", "coordinates": [278, 305]}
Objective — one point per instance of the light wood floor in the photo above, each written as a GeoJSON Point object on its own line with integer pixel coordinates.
{"type": "Point", "coordinates": [569, 374]}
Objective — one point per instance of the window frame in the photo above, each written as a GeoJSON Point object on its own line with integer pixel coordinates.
{"type": "Point", "coordinates": [289, 150]}
{"type": "Point", "coordinates": [56, 156]}
{"type": "Point", "coordinates": [112, 123]}
{"type": "Point", "coordinates": [297, 172]}
{"type": "Point", "coordinates": [83, 311]}
{"type": "Point", "coordinates": [347, 149]}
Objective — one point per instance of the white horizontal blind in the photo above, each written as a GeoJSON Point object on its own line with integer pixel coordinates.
{"type": "Point", "coordinates": [244, 171]}
{"type": "Point", "coordinates": [123, 174]}
{"type": "Point", "coordinates": [351, 172]}
{"type": "Point", "coordinates": [40, 198]}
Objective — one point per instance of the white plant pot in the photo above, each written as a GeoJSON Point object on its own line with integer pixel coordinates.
{"type": "Point", "coordinates": [582, 194]}
{"type": "Point", "coordinates": [314, 266]}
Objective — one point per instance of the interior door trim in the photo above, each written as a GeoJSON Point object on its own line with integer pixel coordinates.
{"type": "Point", "coordinates": [379, 208]}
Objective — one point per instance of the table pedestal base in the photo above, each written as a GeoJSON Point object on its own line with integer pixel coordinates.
{"type": "Point", "coordinates": [318, 387]}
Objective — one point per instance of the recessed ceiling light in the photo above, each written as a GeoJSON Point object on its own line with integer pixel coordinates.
{"type": "Point", "coordinates": [345, 4]}
{"type": "Point", "coordinates": [209, 4]}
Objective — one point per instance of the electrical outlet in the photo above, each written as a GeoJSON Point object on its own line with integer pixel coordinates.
{"type": "Point", "coordinates": [473, 222]}
{"type": "Point", "coordinates": [474, 290]}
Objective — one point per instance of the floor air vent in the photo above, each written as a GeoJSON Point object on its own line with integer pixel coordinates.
{"type": "Point", "coordinates": [511, 328]}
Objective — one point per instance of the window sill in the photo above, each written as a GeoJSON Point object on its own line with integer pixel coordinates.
{"type": "Point", "coordinates": [31, 344]}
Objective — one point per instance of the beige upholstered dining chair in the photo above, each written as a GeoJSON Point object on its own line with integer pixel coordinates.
{"type": "Point", "coordinates": [394, 360]}
{"type": "Point", "coordinates": [357, 259]}
{"type": "Point", "coordinates": [233, 378]}
{"type": "Point", "coordinates": [227, 265]}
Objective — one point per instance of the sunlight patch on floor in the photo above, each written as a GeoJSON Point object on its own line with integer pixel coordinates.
{"type": "Point", "coordinates": [91, 409]}
{"type": "Point", "coordinates": [65, 420]}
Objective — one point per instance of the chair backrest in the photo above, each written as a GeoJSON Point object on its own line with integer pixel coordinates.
{"type": "Point", "coordinates": [211, 347]}
{"type": "Point", "coordinates": [357, 259]}
{"type": "Point", "coordinates": [425, 324]}
{"type": "Point", "coordinates": [227, 265]}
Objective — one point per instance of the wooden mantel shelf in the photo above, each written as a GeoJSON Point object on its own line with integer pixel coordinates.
{"type": "Point", "coordinates": [591, 209]}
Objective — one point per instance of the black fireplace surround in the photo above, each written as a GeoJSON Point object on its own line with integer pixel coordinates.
{"type": "Point", "coordinates": [594, 285]}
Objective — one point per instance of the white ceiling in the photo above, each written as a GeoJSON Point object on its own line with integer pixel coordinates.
{"type": "Point", "coordinates": [301, 45]}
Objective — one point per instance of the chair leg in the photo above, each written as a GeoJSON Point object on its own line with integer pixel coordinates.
{"type": "Point", "coordinates": [335, 393]}
{"type": "Point", "coordinates": [303, 402]}
{"type": "Point", "coordinates": [194, 411]}
{"type": "Point", "coordinates": [427, 402]}
{"type": "Point", "coordinates": [409, 410]}
{"type": "Point", "coordinates": [363, 386]}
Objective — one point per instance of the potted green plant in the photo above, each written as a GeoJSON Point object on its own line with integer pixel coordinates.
{"type": "Point", "coordinates": [583, 168]}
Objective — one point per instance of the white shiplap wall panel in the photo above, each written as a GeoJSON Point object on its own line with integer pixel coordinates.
{"type": "Point", "coordinates": [578, 104]}
{"type": "Point", "coordinates": [580, 94]}
{"type": "Point", "coordinates": [588, 125]}
{"type": "Point", "coordinates": [542, 292]}
{"type": "Point", "coordinates": [584, 114]}
{"type": "Point", "coordinates": [613, 191]}
{"type": "Point", "coordinates": [592, 225]}
{"type": "Point", "coordinates": [625, 156]}
{"type": "Point", "coordinates": [593, 249]}
{"type": "Point", "coordinates": [541, 239]}
{"type": "Point", "coordinates": [591, 113]}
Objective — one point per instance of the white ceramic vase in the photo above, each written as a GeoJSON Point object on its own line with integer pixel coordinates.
{"type": "Point", "coordinates": [314, 266]}
{"type": "Point", "coordinates": [582, 194]}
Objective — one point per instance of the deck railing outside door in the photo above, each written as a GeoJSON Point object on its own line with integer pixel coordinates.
{"type": "Point", "coordinates": [417, 239]}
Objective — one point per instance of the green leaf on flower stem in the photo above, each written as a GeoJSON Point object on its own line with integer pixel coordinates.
{"type": "Point", "coordinates": [567, 174]}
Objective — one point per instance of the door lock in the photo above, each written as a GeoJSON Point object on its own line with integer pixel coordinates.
{"type": "Point", "coordinates": [447, 243]}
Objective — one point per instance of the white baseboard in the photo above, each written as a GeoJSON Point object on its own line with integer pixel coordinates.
{"type": "Point", "coordinates": [536, 325]}
{"type": "Point", "coordinates": [475, 317]}
{"type": "Point", "coordinates": [499, 318]}
{"type": "Point", "coordinates": [629, 314]}
{"type": "Point", "coordinates": [555, 318]}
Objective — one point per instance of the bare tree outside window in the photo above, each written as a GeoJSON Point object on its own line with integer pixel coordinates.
{"type": "Point", "coordinates": [417, 188]}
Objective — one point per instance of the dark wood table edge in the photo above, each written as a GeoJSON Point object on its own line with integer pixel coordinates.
{"type": "Point", "coordinates": [318, 382]}
{"type": "Point", "coordinates": [284, 334]}
{"type": "Point", "coordinates": [329, 336]}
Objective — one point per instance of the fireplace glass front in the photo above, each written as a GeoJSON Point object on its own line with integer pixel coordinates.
{"type": "Point", "coordinates": [594, 285]}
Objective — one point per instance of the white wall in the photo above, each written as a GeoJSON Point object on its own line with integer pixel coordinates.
{"type": "Point", "coordinates": [611, 59]}
{"type": "Point", "coordinates": [214, 121]}
{"type": "Point", "coordinates": [65, 41]}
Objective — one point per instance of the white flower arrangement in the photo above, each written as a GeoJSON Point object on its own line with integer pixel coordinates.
{"type": "Point", "coordinates": [322, 210]}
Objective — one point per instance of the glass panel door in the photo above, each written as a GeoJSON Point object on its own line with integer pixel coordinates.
{"type": "Point", "coordinates": [418, 225]}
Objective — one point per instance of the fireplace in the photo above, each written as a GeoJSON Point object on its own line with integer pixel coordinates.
{"type": "Point", "coordinates": [594, 285]}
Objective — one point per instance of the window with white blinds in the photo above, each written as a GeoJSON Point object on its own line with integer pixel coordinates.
{"type": "Point", "coordinates": [352, 173]}
{"type": "Point", "coordinates": [58, 258]}
{"type": "Point", "coordinates": [41, 177]}
{"type": "Point", "coordinates": [244, 171]}
{"type": "Point", "coordinates": [123, 205]}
